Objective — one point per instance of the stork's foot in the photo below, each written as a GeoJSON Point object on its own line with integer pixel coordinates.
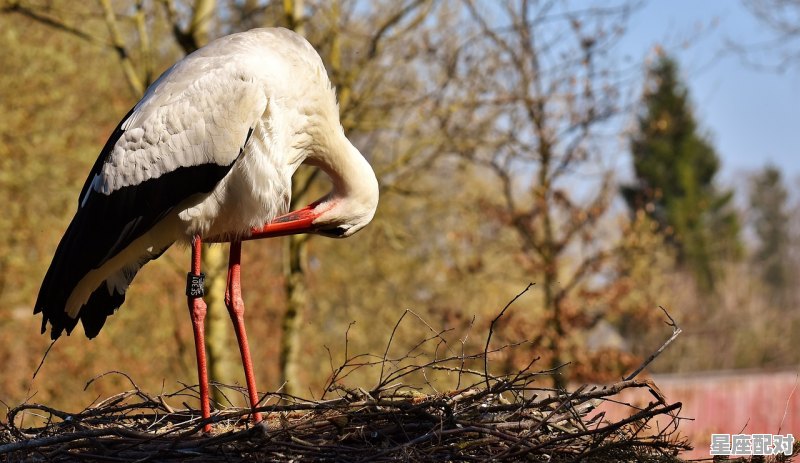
{"type": "Point", "coordinates": [262, 426]}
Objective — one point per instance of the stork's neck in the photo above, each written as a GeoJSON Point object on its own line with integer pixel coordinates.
{"type": "Point", "coordinates": [351, 174]}
{"type": "Point", "coordinates": [347, 209]}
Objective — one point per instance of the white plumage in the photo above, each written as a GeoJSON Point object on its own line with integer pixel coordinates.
{"type": "Point", "coordinates": [209, 151]}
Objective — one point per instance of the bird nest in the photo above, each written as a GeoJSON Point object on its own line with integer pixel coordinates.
{"type": "Point", "coordinates": [476, 423]}
{"type": "Point", "coordinates": [485, 417]}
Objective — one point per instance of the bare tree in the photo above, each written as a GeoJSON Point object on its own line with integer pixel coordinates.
{"type": "Point", "coordinates": [781, 49]}
{"type": "Point", "coordinates": [545, 91]}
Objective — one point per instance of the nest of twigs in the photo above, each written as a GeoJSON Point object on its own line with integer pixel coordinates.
{"type": "Point", "coordinates": [475, 424]}
{"type": "Point", "coordinates": [486, 417]}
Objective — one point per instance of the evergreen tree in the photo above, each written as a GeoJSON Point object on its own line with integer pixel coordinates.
{"type": "Point", "coordinates": [768, 198]}
{"type": "Point", "coordinates": [675, 168]}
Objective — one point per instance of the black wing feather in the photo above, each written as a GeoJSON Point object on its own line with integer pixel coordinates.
{"type": "Point", "coordinates": [104, 226]}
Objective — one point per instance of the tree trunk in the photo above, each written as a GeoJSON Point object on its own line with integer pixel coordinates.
{"type": "Point", "coordinates": [296, 301]}
{"type": "Point", "coordinates": [549, 256]}
{"type": "Point", "coordinates": [294, 251]}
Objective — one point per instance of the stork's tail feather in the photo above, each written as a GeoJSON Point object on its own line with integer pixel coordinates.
{"type": "Point", "coordinates": [101, 304]}
{"type": "Point", "coordinates": [69, 265]}
{"type": "Point", "coordinates": [82, 250]}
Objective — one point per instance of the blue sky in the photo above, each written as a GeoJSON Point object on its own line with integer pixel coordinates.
{"type": "Point", "coordinates": [752, 116]}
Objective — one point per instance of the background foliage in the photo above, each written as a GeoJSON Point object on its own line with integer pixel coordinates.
{"type": "Point", "coordinates": [494, 129]}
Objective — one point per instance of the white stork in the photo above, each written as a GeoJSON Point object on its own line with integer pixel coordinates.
{"type": "Point", "coordinates": [208, 154]}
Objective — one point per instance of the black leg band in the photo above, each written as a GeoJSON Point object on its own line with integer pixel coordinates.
{"type": "Point", "coordinates": [195, 284]}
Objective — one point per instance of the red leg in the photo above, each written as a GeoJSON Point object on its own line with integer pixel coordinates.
{"type": "Point", "coordinates": [197, 310]}
{"type": "Point", "coordinates": [235, 303]}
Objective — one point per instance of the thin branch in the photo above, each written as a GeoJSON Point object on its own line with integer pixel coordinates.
{"type": "Point", "coordinates": [54, 23]}
{"type": "Point", "coordinates": [676, 330]}
{"type": "Point", "coordinates": [491, 331]}
{"type": "Point", "coordinates": [388, 24]}
{"type": "Point", "coordinates": [118, 44]}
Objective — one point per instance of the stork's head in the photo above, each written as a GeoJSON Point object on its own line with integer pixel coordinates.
{"type": "Point", "coordinates": [340, 217]}
{"type": "Point", "coordinates": [348, 208]}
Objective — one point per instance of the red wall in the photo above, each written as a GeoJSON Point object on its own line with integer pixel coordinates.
{"type": "Point", "coordinates": [747, 402]}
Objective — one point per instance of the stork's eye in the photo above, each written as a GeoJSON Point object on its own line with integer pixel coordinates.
{"type": "Point", "coordinates": [335, 232]}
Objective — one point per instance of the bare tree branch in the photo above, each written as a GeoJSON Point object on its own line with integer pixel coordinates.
{"type": "Point", "coordinates": [118, 44]}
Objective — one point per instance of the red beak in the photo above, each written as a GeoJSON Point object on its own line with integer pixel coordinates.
{"type": "Point", "coordinates": [293, 223]}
